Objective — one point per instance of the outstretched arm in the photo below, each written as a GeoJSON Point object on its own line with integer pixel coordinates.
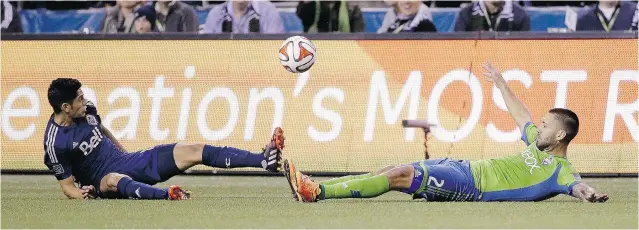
{"type": "Point", "coordinates": [516, 108]}
{"type": "Point", "coordinates": [587, 193]}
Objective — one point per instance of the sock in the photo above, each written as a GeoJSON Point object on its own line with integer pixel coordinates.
{"type": "Point", "coordinates": [358, 188]}
{"type": "Point", "coordinates": [136, 190]}
{"type": "Point", "coordinates": [345, 178]}
{"type": "Point", "coordinates": [227, 157]}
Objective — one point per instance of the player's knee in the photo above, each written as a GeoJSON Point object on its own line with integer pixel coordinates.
{"type": "Point", "coordinates": [113, 179]}
{"type": "Point", "coordinates": [401, 177]}
{"type": "Point", "coordinates": [110, 181]}
{"type": "Point", "coordinates": [383, 170]}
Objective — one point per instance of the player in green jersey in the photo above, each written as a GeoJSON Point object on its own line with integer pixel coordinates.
{"type": "Point", "coordinates": [540, 171]}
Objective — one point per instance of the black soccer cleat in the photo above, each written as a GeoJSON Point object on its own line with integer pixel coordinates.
{"type": "Point", "coordinates": [273, 151]}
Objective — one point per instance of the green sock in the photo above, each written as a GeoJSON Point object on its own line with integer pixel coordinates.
{"type": "Point", "coordinates": [345, 178]}
{"type": "Point", "coordinates": [359, 188]}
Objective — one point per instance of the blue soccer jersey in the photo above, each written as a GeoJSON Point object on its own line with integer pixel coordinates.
{"type": "Point", "coordinates": [80, 150]}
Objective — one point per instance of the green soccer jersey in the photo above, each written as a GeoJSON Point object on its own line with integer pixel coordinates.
{"type": "Point", "coordinates": [531, 175]}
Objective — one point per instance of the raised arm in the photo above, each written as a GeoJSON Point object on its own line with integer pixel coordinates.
{"type": "Point", "coordinates": [516, 108]}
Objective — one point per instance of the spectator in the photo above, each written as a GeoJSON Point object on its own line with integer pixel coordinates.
{"type": "Point", "coordinates": [145, 18]}
{"type": "Point", "coordinates": [175, 16]}
{"type": "Point", "coordinates": [119, 19]}
{"type": "Point", "coordinates": [492, 15]}
{"type": "Point", "coordinates": [242, 16]}
{"type": "Point", "coordinates": [330, 16]}
{"type": "Point", "coordinates": [635, 20]}
{"type": "Point", "coordinates": [407, 16]}
{"type": "Point", "coordinates": [609, 15]}
{"type": "Point", "coordinates": [11, 22]}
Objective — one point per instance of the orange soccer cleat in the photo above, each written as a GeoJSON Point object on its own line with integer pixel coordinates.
{"type": "Point", "coordinates": [308, 189]}
{"type": "Point", "coordinates": [177, 193]}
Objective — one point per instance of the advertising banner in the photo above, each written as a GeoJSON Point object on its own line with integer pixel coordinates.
{"type": "Point", "coordinates": [345, 114]}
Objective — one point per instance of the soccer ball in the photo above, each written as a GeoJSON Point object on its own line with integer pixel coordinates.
{"type": "Point", "coordinates": [297, 54]}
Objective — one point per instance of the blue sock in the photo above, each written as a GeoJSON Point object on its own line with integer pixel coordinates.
{"type": "Point", "coordinates": [136, 190]}
{"type": "Point", "coordinates": [227, 157]}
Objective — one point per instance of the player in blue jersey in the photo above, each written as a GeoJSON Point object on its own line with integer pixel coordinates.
{"type": "Point", "coordinates": [79, 149]}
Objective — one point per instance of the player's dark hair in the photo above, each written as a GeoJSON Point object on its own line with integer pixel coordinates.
{"type": "Point", "coordinates": [62, 90]}
{"type": "Point", "coordinates": [570, 122]}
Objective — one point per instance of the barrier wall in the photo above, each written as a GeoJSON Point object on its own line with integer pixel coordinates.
{"type": "Point", "coordinates": [342, 116]}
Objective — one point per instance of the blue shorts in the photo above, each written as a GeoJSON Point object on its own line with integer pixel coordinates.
{"type": "Point", "coordinates": [444, 179]}
{"type": "Point", "coordinates": [149, 166]}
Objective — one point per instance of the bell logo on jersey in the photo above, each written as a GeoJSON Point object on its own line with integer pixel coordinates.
{"type": "Point", "coordinates": [530, 160]}
{"type": "Point", "coordinates": [95, 140]}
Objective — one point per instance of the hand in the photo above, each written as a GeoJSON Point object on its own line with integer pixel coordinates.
{"type": "Point", "coordinates": [589, 194]}
{"type": "Point", "coordinates": [599, 197]}
{"type": "Point", "coordinates": [89, 192]}
{"type": "Point", "coordinates": [492, 74]}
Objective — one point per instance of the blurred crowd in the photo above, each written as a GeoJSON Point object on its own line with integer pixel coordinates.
{"type": "Point", "coordinates": [242, 16]}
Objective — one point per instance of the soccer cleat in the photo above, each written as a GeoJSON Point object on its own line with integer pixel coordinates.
{"type": "Point", "coordinates": [308, 189]}
{"type": "Point", "coordinates": [177, 193]}
{"type": "Point", "coordinates": [289, 172]}
{"type": "Point", "coordinates": [273, 151]}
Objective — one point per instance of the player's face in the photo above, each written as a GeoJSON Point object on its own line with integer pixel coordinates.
{"type": "Point", "coordinates": [78, 108]}
{"type": "Point", "coordinates": [547, 132]}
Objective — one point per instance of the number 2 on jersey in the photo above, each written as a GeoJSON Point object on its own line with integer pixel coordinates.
{"type": "Point", "coordinates": [432, 180]}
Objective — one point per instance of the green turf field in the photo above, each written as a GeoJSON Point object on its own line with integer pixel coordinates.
{"type": "Point", "coordinates": [265, 202]}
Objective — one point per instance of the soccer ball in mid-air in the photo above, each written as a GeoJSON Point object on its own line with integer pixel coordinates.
{"type": "Point", "coordinates": [297, 54]}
